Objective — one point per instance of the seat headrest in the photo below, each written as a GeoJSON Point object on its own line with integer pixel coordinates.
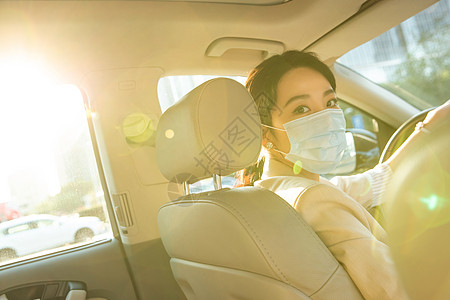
{"type": "Point", "coordinates": [214, 129]}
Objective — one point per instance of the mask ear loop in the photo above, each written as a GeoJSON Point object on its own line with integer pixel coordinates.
{"type": "Point", "coordinates": [271, 127]}
{"type": "Point", "coordinates": [279, 151]}
{"type": "Point", "coordinates": [269, 145]}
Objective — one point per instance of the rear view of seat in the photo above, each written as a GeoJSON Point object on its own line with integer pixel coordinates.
{"type": "Point", "coordinates": [242, 243]}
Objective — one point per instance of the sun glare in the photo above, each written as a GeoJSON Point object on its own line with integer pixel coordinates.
{"type": "Point", "coordinates": [34, 112]}
{"type": "Point", "coordinates": [17, 72]}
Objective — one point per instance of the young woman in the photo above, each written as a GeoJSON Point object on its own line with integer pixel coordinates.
{"type": "Point", "coordinates": [304, 136]}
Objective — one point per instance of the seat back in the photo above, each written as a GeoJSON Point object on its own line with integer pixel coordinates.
{"type": "Point", "coordinates": [242, 243]}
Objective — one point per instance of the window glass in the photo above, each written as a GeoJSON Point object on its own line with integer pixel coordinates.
{"type": "Point", "coordinates": [173, 88]}
{"type": "Point", "coordinates": [18, 228]}
{"type": "Point", "coordinates": [364, 129]}
{"type": "Point", "coordinates": [44, 223]}
{"type": "Point", "coordinates": [412, 59]}
{"type": "Point", "coordinates": [50, 190]}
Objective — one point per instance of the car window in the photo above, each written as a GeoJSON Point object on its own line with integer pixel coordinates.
{"type": "Point", "coordinates": [172, 88]}
{"type": "Point", "coordinates": [18, 228]}
{"type": "Point", "coordinates": [48, 179]}
{"type": "Point", "coordinates": [365, 129]}
{"type": "Point", "coordinates": [412, 59]}
{"type": "Point", "coordinates": [44, 223]}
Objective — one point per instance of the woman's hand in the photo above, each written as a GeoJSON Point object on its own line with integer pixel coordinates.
{"type": "Point", "coordinates": [434, 119]}
{"type": "Point", "coordinates": [437, 115]}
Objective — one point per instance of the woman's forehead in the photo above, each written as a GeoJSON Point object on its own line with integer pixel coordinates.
{"type": "Point", "coordinates": [301, 81]}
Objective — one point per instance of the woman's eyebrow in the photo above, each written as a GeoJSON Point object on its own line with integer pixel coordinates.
{"type": "Point", "coordinates": [298, 97]}
{"type": "Point", "coordinates": [328, 92]}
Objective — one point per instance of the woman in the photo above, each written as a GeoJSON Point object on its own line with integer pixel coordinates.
{"type": "Point", "coordinates": [304, 136]}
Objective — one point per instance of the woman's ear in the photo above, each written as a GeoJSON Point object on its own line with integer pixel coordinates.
{"type": "Point", "coordinates": [267, 138]}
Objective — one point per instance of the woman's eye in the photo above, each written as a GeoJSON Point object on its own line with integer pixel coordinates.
{"type": "Point", "coordinates": [332, 103]}
{"type": "Point", "coordinates": [301, 109]}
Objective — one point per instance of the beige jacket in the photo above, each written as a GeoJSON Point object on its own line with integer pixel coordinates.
{"type": "Point", "coordinates": [353, 236]}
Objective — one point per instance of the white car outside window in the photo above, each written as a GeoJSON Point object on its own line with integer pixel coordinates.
{"type": "Point", "coordinates": [36, 233]}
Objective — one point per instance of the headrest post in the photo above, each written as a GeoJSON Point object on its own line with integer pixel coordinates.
{"type": "Point", "coordinates": [217, 179]}
{"type": "Point", "coordinates": [186, 189]}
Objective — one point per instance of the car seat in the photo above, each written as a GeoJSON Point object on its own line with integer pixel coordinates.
{"type": "Point", "coordinates": [239, 243]}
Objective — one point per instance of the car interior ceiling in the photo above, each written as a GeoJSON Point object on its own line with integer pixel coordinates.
{"type": "Point", "coordinates": [91, 50]}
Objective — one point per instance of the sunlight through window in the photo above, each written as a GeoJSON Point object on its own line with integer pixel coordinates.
{"type": "Point", "coordinates": [48, 171]}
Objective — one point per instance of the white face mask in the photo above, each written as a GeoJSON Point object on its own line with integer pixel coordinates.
{"type": "Point", "coordinates": [317, 141]}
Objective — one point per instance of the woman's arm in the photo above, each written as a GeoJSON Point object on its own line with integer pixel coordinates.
{"type": "Point", "coordinates": [367, 188]}
{"type": "Point", "coordinates": [355, 239]}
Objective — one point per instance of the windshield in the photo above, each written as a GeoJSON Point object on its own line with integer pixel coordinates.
{"type": "Point", "coordinates": [412, 60]}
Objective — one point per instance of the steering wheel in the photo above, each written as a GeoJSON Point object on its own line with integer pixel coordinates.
{"type": "Point", "coordinates": [396, 140]}
{"type": "Point", "coordinates": [401, 134]}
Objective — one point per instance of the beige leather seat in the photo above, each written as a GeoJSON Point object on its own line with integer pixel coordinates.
{"type": "Point", "coordinates": [242, 243]}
